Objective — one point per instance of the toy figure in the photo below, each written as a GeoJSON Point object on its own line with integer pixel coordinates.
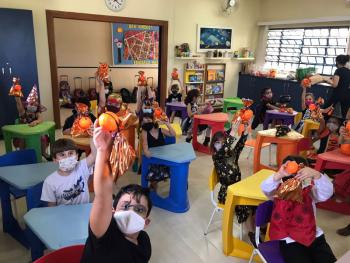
{"type": "Point", "coordinates": [175, 74]}
{"type": "Point", "coordinates": [142, 81]}
{"type": "Point", "coordinates": [16, 88]}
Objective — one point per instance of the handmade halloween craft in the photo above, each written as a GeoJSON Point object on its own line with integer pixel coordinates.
{"type": "Point", "coordinates": [82, 125]}
{"type": "Point", "coordinates": [142, 80]}
{"type": "Point", "coordinates": [345, 148]}
{"type": "Point", "coordinates": [102, 72]}
{"type": "Point", "coordinates": [243, 116]}
{"type": "Point", "coordinates": [174, 74]}
{"type": "Point", "coordinates": [16, 88]}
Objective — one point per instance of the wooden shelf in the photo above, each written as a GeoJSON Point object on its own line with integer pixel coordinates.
{"type": "Point", "coordinates": [195, 82]}
{"type": "Point", "coordinates": [195, 69]}
{"type": "Point", "coordinates": [218, 58]}
{"type": "Point", "coordinates": [215, 81]}
{"type": "Point", "coordinates": [244, 59]}
{"type": "Point", "coordinates": [188, 58]}
{"type": "Point", "coordinates": [207, 95]}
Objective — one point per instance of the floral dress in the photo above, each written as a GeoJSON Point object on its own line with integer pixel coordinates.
{"type": "Point", "coordinates": [226, 165]}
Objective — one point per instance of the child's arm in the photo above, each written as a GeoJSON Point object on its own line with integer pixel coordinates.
{"type": "Point", "coordinates": [270, 185]}
{"type": "Point", "coordinates": [37, 121]}
{"type": "Point", "coordinates": [101, 211]}
{"type": "Point", "coordinates": [271, 106]}
{"type": "Point", "coordinates": [48, 193]}
{"type": "Point", "coordinates": [323, 188]}
{"type": "Point", "coordinates": [101, 96]}
{"type": "Point", "coordinates": [91, 158]}
{"type": "Point", "coordinates": [342, 138]}
{"type": "Point", "coordinates": [145, 149]}
{"type": "Point", "coordinates": [19, 106]}
{"type": "Point", "coordinates": [189, 111]}
{"type": "Point", "coordinates": [170, 132]}
{"type": "Point", "coordinates": [303, 107]}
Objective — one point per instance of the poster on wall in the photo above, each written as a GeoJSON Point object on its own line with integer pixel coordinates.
{"type": "Point", "coordinates": [135, 44]}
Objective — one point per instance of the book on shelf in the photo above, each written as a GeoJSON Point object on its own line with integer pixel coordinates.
{"type": "Point", "coordinates": [211, 75]}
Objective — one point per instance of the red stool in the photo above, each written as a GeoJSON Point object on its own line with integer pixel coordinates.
{"type": "Point", "coordinates": [70, 254]}
{"type": "Point", "coordinates": [217, 123]}
{"type": "Point", "coordinates": [286, 145]}
{"type": "Point", "coordinates": [332, 160]}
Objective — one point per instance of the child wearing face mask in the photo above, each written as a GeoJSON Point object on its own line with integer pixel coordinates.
{"type": "Point", "coordinates": [307, 98]}
{"type": "Point", "coordinates": [69, 184]}
{"type": "Point", "coordinates": [330, 141]}
{"type": "Point", "coordinates": [153, 136]}
{"type": "Point", "coordinates": [193, 109]}
{"type": "Point", "coordinates": [266, 103]}
{"type": "Point", "coordinates": [116, 226]}
{"type": "Point", "coordinates": [225, 154]}
{"type": "Point", "coordinates": [293, 219]}
{"type": "Point", "coordinates": [29, 113]}
{"type": "Point", "coordinates": [174, 96]}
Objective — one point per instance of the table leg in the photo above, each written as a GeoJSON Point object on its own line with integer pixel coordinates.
{"type": "Point", "coordinates": [33, 196]}
{"type": "Point", "coordinates": [194, 133]}
{"type": "Point", "coordinates": [34, 142]}
{"type": "Point", "coordinates": [51, 138]}
{"type": "Point", "coordinates": [257, 152]}
{"type": "Point", "coordinates": [168, 111]}
{"type": "Point", "coordinates": [36, 246]}
{"type": "Point", "coordinates": [8, 141]}
{"type": "Point", "coordinates": [144, 170]}
{"type": "Point", "coordinates": [9, 223]}
{"type": "Point", "coordinates": [266, 121]}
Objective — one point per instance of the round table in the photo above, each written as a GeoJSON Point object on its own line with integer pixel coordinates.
{"type": "Point", "coordinates": [31, 135]}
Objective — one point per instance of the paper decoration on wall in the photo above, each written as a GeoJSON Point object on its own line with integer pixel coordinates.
{"type": "Point", "coordinates": [135, 44]}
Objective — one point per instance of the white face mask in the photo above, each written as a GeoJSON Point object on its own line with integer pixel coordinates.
{"type": "Point", "coordinates": [106, 91]}
{"type": "Point", "coordinates": [218, 146]}
{"type": "Point", "coordinates": [68, 164]}
{"type": "Point", "coordinates": [129, 222]}
{"type": "Point", "coordinates": [332, 127]}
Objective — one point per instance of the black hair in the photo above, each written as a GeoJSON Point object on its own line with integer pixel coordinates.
{"type": "Point", "coordinates": [174, 86]}
{"type": "Point", "coordinates": [342, 59]}
{"type": "Point", "coordinates": [150, 116]}
{"type": "Point", "coordinates": [62, 145]}
{"type": "Point", "coordinates": [217, 136]}
{"type": "Point", "coordinates": [190, 95]}
{"type": "Point", "coordinates": [263, 91]}
{"type": "Point", "coordinates": [137, 191]}
{"type": "Point", "coordinates": [83, 100]}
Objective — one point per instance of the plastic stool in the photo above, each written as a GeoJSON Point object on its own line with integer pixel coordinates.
{"type": "Point", "coordinates": [232, 102]}
{"type": "Point", "coordinates": [31, 135]}
{"type": "Point", "coordinates": [286, 145]}
{"type": "Point", "coordinates": [177, 106]}
{"type": "Point", "coordinates": [286, 118]}
{"type": "Point", "coordinates": [308, 126]}
{"type": "Point", "coordinates": [217, 123]}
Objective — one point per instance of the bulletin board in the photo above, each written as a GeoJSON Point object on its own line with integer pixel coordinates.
{"type": "Point", "coordinates": [135, 44]}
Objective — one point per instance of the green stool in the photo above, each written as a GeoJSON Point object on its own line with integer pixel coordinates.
{"type": "Point", "coordinates": [232, 102]}
{"type": "Point", "coordinates": [31, 135]}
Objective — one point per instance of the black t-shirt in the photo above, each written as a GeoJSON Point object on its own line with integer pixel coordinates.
{"type": "Point", "coordinates": [70, 120]}
{"type": "Point", "coordinates": [342, 91]}
{"type": "Point", "coordinates": [174, 97]}
{"type": "Point", "coordinates": [114, 247]}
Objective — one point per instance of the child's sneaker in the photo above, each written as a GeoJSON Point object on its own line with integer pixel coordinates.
{"type": "Point", "coordinates": [188, 140]}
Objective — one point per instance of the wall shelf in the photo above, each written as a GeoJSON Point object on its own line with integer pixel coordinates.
{"type": "Point", "coordinates": [188, 58]}
{"type": "Point", "coordinates": [194, 82]}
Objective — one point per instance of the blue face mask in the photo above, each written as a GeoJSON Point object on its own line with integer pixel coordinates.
{"type": "Point", "coordinates": [147, 110]}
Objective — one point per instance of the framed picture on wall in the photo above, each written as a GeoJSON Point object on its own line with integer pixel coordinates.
{"type": "Point", "coordinates": [135, 44]}
{"type": "Point", "coordinates": [214, 38]}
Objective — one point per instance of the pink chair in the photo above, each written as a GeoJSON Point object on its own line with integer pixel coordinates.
{"type": "Point", "coordinates": [70, 254]}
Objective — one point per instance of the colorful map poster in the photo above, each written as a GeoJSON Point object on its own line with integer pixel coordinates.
{"type": "Point", "coordinates": [135, 44]}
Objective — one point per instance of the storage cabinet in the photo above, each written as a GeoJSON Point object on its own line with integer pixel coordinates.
{"type": "Point", "coordinates": [214, 81]}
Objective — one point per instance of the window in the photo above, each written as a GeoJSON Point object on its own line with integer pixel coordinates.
{"type": "Point", "coordinates": [290, 49]}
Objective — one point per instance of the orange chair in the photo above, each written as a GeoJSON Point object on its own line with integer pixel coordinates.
{"type": "Point", "coordinates": [286, 145]}
{"type": "Point", "coordinates": [213, 181]}
{"type": "Point", "coordinates": [70, 254]}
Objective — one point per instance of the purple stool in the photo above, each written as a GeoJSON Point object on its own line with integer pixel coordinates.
{"type": "Point", "coordinates": [176, 106]}
{"type": "Point", "coordinates": [286, 118]}
{"type": "Point", "coordinates": [269, 250]}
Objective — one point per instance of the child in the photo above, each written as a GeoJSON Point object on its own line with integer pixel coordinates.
{"type": "Point", "coordinates": [307, 98]}
{"type": "Point", "coordinates": [153, 136]}
{"type": "Point", "coordinates": [174, 96]}
{"type": "Point", "coordinates": [225, 158]}
{"type": "Point", "coordinates": [68, 123]}
{"type": "Point", "coordinates": [29, 113]}
{"type": "Point", "coordinates": [192, 109]}
{"type": "Point", "coordinates": [116, 235]}
{"type": "Point", "coordinates": [293, 222]}
{"type": "Point", "coordinates": [69, 184]}
{"type": "Point", "coordinates": [330, 141]}
{"type": "Point", "coordinates": [266, 103]}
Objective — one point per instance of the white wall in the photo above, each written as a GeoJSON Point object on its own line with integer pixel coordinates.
{"type": "Point", "coordinates": [183, 16]}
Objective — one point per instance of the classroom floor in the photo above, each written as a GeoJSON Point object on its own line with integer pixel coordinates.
{"type": "Point", "coordinates": [179, 237]}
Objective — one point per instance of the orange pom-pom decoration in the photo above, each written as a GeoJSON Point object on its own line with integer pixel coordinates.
{"type": "Point", "coordinates": [18, 87]}
{"type": "Point", "coordinates": [108, 121]}
{"type": "Point", "coordinates": [175, 74]}
{"type": "Point", "coordinates": [347, 126]}
{"type": "Point", "coordinates": [85, 123]}
{"type": "Point", "coordinates": [247, 115]}
{"type": "Point", "coordinates": [312, 107]}
{"type": "Point", "coordinates": [345, 149]}
{"type": "Point", "coordinates": [158, 113]}
{"type": "Point", "coordinates": [292, 167]}
{"type": "Point", "coordinates": [306, 83]}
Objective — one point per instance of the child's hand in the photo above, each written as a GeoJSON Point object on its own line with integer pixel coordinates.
{"type": "Point", "coordinates": [282, 172]}
{"type": "Point", "coordinates": [342, 131]}
{"type": "Point", "coordinates": [306, 173]}
{"type": "Point", "coordinates": [34, 123]}
{"type": "Point", "coordinates": [147, 154]}
{"type": "Point", "coordinates": [102, 139]}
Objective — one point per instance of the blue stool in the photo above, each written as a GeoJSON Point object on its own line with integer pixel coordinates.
{"type": "Point", "coordinates": [177, 157]}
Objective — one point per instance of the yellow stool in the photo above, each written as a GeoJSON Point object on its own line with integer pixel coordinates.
{"type": "Point", "coordinates": [93, 104]}
{"type": "Point", "coordinates": [177, 128]}
{"type": "Point", "coordinates": [298, 117]}
{"type": "Point", "coordinates": [308, 126]}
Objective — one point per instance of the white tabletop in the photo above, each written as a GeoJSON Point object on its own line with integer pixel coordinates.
{"type": "Point", "coordinates": [282, 113]}
{"type": "Point", "coordinates": [177, 153]}
{"type": "Point", "coordinates": [27, 175]}
{"type": "Point", "coordinates": [60, 226]}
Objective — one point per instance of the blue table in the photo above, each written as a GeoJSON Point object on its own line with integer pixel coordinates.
{"type": "Point", "coordinates": [177, 157]}
{"type": "Point", "coordinates": [28, 178]}
{"type": "Point", "coordinates": [57, 227]}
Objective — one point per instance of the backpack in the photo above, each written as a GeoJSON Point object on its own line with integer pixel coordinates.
{"type": "Point", "coordinates": [126, 96]}
{"type": "Point", "coordinates": [134, 95]}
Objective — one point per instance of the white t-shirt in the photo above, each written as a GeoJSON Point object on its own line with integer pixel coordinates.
{"type": "Point", "coordinates": [68, 190]}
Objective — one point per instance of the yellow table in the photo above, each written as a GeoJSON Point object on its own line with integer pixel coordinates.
{"type": "Point", "coordinates": [245, 192]}
{"type": "Point", "coordinates": [308, 126]}
{"type": "Point", "coordinates": [176, 126]}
